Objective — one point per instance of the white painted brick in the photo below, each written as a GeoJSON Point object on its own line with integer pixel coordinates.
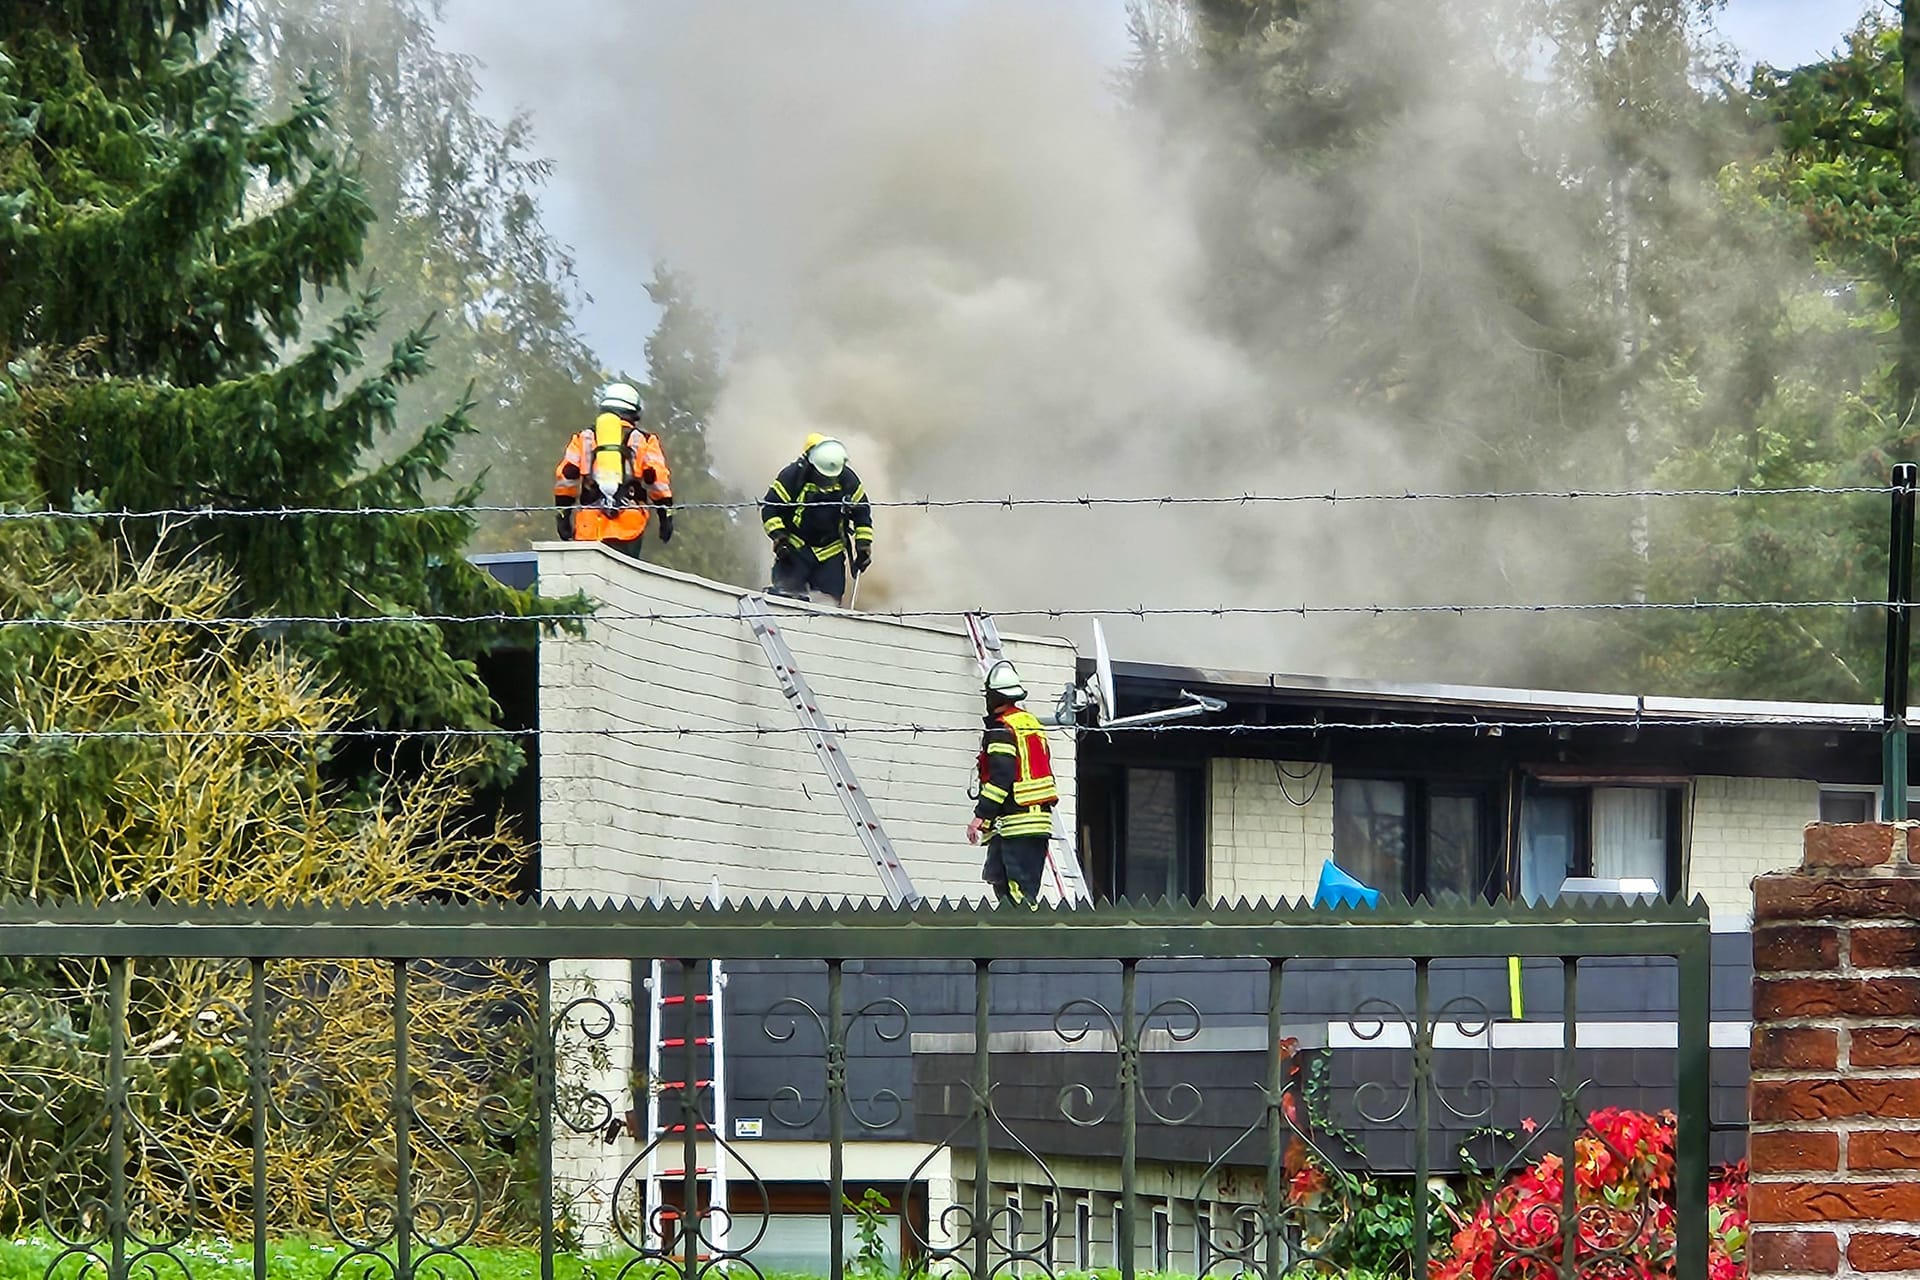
{"type": "Point", "coordinates": [1262, 844]}
{"type": "Point", "coordinates": [634, 816]}
{"type": "Point", "coordinates": [1743, 827]}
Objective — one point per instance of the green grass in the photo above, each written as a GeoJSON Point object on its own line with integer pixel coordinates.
{"type": "Point", "coordinates": [217, 1259]}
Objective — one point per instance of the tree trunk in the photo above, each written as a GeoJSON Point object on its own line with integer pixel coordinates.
{"type": "Point", "coordinates": [1626, 346]}
{"type": "Point", "coordinates": [1907, 370]}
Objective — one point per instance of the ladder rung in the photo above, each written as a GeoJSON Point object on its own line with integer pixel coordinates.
{"type": "Point", "coordinates": [681, 1084]}
{"type": "Point", "coordinates": [697, 999]}
{"type": "Point", "coordinates": [681, 1173]}
{"type": "Point", "coordinates": [680, 1042]}
{"type": "Point", "coordinates": [681, 1128]}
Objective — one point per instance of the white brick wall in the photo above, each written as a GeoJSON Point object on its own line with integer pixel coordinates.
{"type": "Point", "coordinates": [1269, 830]}
{"type": "Point", "coordinates": [592, 1049]}
{"type": "Point", "coordinates": [1741, 828]}
{"type": "Point", "coordinates": [655, 814]}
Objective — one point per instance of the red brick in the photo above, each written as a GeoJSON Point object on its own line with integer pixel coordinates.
{"type": "Point", "coordinates": [1883, 1149]}
{"type": "Point", "coordinates": [1775, 998]}
{"type": "Point", "coordinates": [1776, 1100]}
{"type": "Point", "coordinates": [1834, 1202]}
{"type": "Point", "coordinates": [1883, 1047]}
{"type": "Point", "coordinates": [1787, 1048]}
{"type": "Point", "coordinates": [1798, 1252]}
{"type": "Point", "coordinates": [1889, 947]}
{"type": "Point", "coordinates": [1795, 1151]}
{"type": "Point", "coordinates": [1805, 897]}
{"type": "Point", "coordinates": [1884, 1251]}
{"type": "Point", "coordinates": [1850, 844]}
{"type": "Point", "coordinates": [1789, 947]}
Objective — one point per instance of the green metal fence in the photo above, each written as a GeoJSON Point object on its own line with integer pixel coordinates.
{"type": "Point", "coordinates": [165, 1066]}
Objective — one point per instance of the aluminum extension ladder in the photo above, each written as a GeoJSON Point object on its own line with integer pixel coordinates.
{"type": "Point", "coordinates": [1063, 861]}
{"type": "Point", "coordinates": [715, 1174]}
{"type": "Point", "coordinates": [826, 745]}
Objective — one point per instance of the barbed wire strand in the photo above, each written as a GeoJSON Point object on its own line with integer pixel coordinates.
{"type": "Point", "coordinates": [1869, 720]}
{"type": "Point", "coordinates": [1332, 497]}
{"type": "Point", "coordinates": [1130, 611]}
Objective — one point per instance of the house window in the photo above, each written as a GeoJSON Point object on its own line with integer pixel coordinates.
{"type": "Point", "coordinates": [1049, 1228]}
{"type": "Point", "coordinates": [1370, 834]}
{"type": "Point", "coordinates": [1015, 1227]}
{"type": "Point", "coordinates": [1119, 1242]}
{"type": "Point", "coordinates": [1203, 1244]}
{"type": "Point", "coordinates": [1456, 852]}
{"type": "Point", "coordinates": [1143, 831]}
{"type": "Point", "coordinates": [1413, 836]}
{"type": "Point", "coordinates": [1604, 832]}
{"type": "Point", "coordinates": [1848, 804]}
{"type": "Point", "coordinates": [1083, 1234]}
{"type": "Point", "coordinates": [1162, 1239]}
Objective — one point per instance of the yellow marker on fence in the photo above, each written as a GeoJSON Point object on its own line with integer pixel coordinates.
{"type": "Point", "coordinates": [1515, 1005]}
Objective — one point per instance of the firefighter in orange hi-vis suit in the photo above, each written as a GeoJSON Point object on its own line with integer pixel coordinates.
{"type": "Point", "coordinates": [613, 477]}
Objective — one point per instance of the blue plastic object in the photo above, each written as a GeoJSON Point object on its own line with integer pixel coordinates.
{"type": "Point", "coordinates": [1338, 889]}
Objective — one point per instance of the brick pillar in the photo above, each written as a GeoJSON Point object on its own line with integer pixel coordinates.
{"type": "Point", "coordinates": [1835, 1100]}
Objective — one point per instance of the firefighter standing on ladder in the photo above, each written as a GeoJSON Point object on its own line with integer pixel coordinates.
{"type": "Point", "coordinates": [1017, 793]}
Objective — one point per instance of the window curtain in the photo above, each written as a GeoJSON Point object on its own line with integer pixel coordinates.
{"type": "Point", "coordinates": [1630, 834]}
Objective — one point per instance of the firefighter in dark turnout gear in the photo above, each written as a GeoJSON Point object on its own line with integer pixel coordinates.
{"type": "Point", "coordinates": [811, 510]}
{"type": "Point", "coordinates": [1017, 793]}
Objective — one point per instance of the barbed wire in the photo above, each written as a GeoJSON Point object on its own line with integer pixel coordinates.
{"type": "Point", "coordinates": [1332, 497]}
{"type": "Point", "coordinates": [1126, 611]}
{"type": "Point", "coordinates": [1869, 720]}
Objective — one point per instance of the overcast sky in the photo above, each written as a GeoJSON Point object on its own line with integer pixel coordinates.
{"type": "Point", "coordinates": [527, 65]}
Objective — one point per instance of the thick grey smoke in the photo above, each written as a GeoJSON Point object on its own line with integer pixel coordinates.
{"type": "Point", "coordinates": [942, 238]}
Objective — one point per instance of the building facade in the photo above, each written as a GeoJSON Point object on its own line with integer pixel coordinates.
{"type": "Point", "coordinates": [1415, 790]}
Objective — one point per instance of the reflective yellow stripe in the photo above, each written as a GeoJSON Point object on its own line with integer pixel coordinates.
{"type": "Point", "coordinates": [781, 490]}
{"type": "Point", "coordinates": [1027, 822]}
{"type": "Point", "coordinates": [858, 493]}
{"type": "Point", "coordinates": [776, 524]}
{"type": "Point", "coordinates": [863, 533]}
{"type": "Point", "coordinates": [1035, 791]}
{"type": "Point", "coordinates": [992, 793]}
{"type": "Point", "coordinates": [829, 552]}
{"type": "Point", "coordinates": [1001, 749]}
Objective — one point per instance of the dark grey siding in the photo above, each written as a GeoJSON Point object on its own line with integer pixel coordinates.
{"type": "Point", "coordinates": [777, 1069]}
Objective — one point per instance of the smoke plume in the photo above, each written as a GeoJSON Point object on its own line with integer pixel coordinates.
{"type": "Point", "coordinates": [940, 235]}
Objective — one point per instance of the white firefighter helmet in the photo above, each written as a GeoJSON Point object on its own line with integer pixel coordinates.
{"type": "Point", "coordinates": [828, 457]}
{"type": "Point", "coordinates": [620, 397]}
{"type": "Point", "coordinates": [1004, 681]}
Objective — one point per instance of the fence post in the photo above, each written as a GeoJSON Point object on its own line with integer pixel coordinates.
{"type": "Point", "coordinates": [1893, 755]}
{"type": "Point", "coordinates": [1834, 1103]}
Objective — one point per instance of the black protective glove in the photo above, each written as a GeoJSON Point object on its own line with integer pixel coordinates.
{"type": "Point", "coordinates": [666, 525]}
{"type": "Point", "coordinates": [863, 558]}
{"type": "Point", "coordinates": [563, 521]}
{"type": "Point", "coordinates": [782, 551]}
{"type": "Point", "coordinates": [647, 476]}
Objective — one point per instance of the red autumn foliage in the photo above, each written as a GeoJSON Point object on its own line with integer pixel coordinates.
{"type": "Point", "coordinates": [1622, 1202]}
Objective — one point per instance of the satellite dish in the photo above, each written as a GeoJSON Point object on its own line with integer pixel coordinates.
{"type": "Point", "coordinates": [1098, 695]}
{"type": "Point", "coordinates": [1103, 698]}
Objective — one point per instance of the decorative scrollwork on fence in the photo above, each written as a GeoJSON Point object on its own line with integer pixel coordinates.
{"type": "Point", "coordinates": [1180, 1022]}
{"type": "Point", "coordinates": [891, 1024]}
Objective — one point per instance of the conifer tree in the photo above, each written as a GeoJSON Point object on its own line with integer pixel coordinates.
{"type": "Point", "coordinates": [162, 237]}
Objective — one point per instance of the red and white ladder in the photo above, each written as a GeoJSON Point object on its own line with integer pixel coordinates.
{"type": "Point", "coordinates": [709, 1049]}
